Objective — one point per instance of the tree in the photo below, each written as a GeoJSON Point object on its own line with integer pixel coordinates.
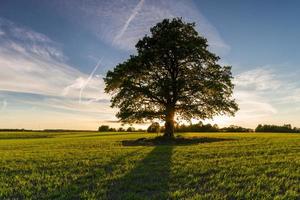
{"type": "Point", "coordinates": [121, 129]}
{"type": "Point", "coordinates": [103, 128]}
{"type": "Point", "coordinates": [233, 128]}
{"type": "Point", "coordinates": [154, 128]}
{"type": "Point", "coordinates": [112, 130]}
{"type": "Point", "coordinates": [172, 74]}
{"type": "Point", "coordinates": [130, 129]}
{"type": "Point", "coordinates": [286, 128]}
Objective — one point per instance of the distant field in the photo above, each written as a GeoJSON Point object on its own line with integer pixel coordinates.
{"type": "Point", "coordinates": [97, 166]}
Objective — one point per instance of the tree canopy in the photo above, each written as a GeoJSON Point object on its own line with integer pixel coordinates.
{"type": "Point", "coordinates": [172, 74]}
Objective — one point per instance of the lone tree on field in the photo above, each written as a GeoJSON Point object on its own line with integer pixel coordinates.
{"type": "Point", "coordinates": [172, 74]}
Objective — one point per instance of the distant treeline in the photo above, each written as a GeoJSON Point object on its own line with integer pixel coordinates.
{"type": "Point", "coordinates": [200, 127]}
{"type": "Point", "coordinates": [106, 128]}
{"type": "Point", "coordinates": [287, 128]}
{"type": "Point", "coordinates": [45, 130]}
{"type": "Point", "coordinates": [10, 130]}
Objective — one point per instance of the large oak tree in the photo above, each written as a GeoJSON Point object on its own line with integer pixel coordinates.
{"type": "Point", "coordinates": [173, 74]}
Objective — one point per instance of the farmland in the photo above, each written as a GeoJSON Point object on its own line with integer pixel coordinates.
{"type": "Point", "coordinates": [93, 165]}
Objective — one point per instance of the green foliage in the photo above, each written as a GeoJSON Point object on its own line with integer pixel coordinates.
{"type": "Point", "coordinates": [121, 129]}
{"type": "Point", "coordinates": [112, 130]}
{"type": "Point", "coordinates": [89, 165]}
{"type": "Point", "coordinates": [172, 73]}
{"type": "Point", "coordinates": [287, 128]}
{"type": "Point", "coordinates": [130, 129]}
{"type": "Point", "coordinates": [234, 128]}
{"type": "Point", "coordinates": [199, 127]}
{"type": "Point", "coordinates": [154, 128]}
{"type": "Point", "coordinates": [103, 128]}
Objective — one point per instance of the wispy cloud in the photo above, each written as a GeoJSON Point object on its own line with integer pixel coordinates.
{"type": "Point", "coordinates": [23, 40]}
{"type": "Point", "coordinates": [264, 95]}
{"type": "Point", "coordinates": [258, 79]}
{"type": "Point", "coordinates": [251, 93]}
{"type": "Point", "coordinates": [122, 23]}
{"type": "Point", "coordinates": [4, 105]}
{"type": "Point", "coordinates": [32, 64]}
{"type": "Point", "coordinates": [252, 88]}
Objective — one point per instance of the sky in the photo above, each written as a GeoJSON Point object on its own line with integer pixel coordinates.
{"type": "Point", "coordinates": [54, 55]}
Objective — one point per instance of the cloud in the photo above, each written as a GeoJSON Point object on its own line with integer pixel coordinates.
{"type": "Point", "coordinates": [69, 105]}
{"type": "Point", "coordinates": [123, 23]}
{"type": "Point", "coordinates": [23, 72]}
{"type": "Point", "coordinates": [258, 79]}
{"type": "Point", "coordinates": [252, 104]}
{"type": "Point", "coordinates": [253, 110]}
{"type": "Point", "coordinates": [43, 90]}
{"type": "Point", "coordinates": [4, 105]}
{"type": "Point", "coordinates": [31, 63]}
{"type": "Point", "coordinates": [274, 85]}
{"type": "Point", "coordinates": [294, 95]}
{"type": "Point", "coordinates": [252, 89]}
{"type": "Point", "coordinates": [24, 40]}
{"type": "Point", "coordinates": [264, 95]}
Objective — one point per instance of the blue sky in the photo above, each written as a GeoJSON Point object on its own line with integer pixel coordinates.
{"type": "Point", "coordinates": [54, 54]}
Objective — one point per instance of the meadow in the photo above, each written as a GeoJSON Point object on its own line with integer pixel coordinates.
{"type": "Point", "coordinates": [93, 165]}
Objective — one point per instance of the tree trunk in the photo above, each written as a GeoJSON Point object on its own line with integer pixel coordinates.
{"type": "Point", "coordinates": [169, 124]}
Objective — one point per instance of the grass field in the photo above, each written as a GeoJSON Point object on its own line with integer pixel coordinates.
{"type": "Point", "coordinates": [95, 165]}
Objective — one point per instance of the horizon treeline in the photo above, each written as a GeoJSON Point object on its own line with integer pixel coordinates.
{"type": "Point", "coordinates": [198, 127]}
{"type": "Point", "coordinates": [286, 128]}
{"type": "Point", "coordinates": [201, 127]}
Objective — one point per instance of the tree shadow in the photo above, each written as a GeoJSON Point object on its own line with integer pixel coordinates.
{"type": "Point", "coordinates": [99, 134]}
{"type": "Point", "coordinates": [148, 180]}
{"type": "Point", "coordinates": [75, 189]}
{"type": "Point", "coordinates": [178, 141]}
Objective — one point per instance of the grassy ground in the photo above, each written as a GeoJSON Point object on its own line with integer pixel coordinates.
{"type": "Point", "coordinates": [103, 166]}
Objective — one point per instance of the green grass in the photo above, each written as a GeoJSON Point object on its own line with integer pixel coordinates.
{"type": "Point", "coordinates": [100, 166]}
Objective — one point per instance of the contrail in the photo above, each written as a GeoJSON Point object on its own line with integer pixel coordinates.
{"type": "Point", "coordinates": [88, 80]}
{"type": "Point", "coordinates": [131, 17]}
